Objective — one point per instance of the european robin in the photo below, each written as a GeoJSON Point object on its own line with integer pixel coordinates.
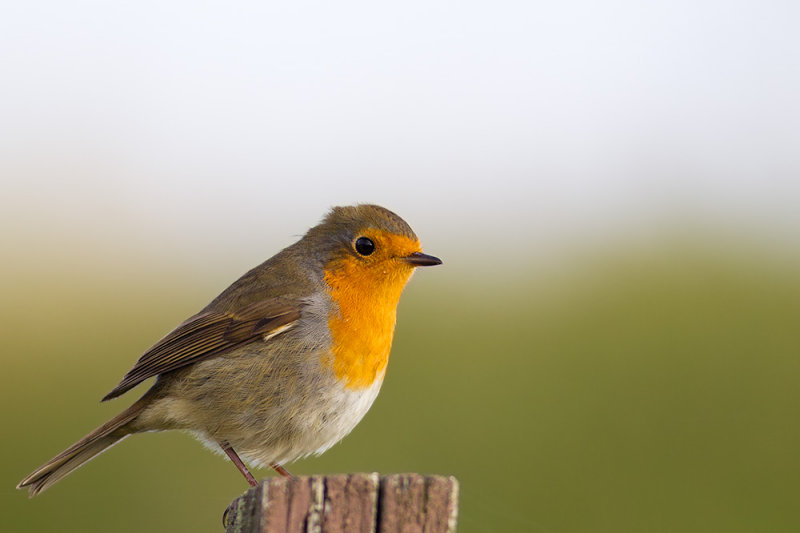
{"type": "Point", "coordinates": [285, 362]}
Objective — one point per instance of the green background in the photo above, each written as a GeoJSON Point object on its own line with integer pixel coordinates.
{"type": "Point", "coordinates": [634, 388]}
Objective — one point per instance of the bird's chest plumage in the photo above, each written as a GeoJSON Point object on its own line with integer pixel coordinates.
{"type": "Point", "coordinates": [361, 324]}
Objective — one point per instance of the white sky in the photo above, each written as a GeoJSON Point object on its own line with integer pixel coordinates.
{"type": "Point", "coordinates": [177, 124]}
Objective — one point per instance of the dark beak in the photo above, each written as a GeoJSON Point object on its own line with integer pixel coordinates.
{"type": "Point", "coordinates": [418, 259]}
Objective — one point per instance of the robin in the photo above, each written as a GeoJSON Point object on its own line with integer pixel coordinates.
{"type": "Point", "coordinates": [285, 362]}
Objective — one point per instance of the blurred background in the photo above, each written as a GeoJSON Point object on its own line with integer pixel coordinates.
{"type": "Point", "coordinates": [612, 342]}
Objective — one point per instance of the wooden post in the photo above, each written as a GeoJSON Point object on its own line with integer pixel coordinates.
{"type": "Point", "coordinates": [354, 503]}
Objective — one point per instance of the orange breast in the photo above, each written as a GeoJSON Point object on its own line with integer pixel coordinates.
{"type": "Point", "coordinates": [363, 326]}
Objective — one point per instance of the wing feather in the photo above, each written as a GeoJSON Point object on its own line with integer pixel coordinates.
{"type": "Point", "coordinates": [209, 334]}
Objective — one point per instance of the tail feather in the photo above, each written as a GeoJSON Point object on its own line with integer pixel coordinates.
{"type": "Point", "coordinates": [89, 446]}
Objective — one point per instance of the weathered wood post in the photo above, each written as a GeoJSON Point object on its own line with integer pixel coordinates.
{"type": "Point", "coordinates": [347, 503]}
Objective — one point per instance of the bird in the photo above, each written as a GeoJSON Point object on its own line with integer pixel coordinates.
{"type": "Point", "coordinates": [285, 362]}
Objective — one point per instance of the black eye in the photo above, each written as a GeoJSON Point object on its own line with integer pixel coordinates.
{"type": "Point", "coordinates": [364, 246]}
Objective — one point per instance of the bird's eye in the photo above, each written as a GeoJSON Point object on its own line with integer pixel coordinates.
{"type": "Point", "coordinates": [364, 246]}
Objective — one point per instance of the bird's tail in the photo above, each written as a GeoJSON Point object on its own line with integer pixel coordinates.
{"type": "Point", "coordinates": [92, 444]}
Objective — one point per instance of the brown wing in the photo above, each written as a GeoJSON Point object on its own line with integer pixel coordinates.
{"type": "Point", "coordinates": [208, 334]}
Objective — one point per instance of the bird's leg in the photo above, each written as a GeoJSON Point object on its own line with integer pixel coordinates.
{"type": "Point", "coordinates": [238, 462]}
{"type": "Point", "coordinates": [279, 469]}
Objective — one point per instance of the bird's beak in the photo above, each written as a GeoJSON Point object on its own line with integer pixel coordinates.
{"type": "Point", "coordinates": [418, 259]}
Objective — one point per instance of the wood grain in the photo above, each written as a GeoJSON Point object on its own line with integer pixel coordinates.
{"type": "Point", "coordinates": [347, 503]}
